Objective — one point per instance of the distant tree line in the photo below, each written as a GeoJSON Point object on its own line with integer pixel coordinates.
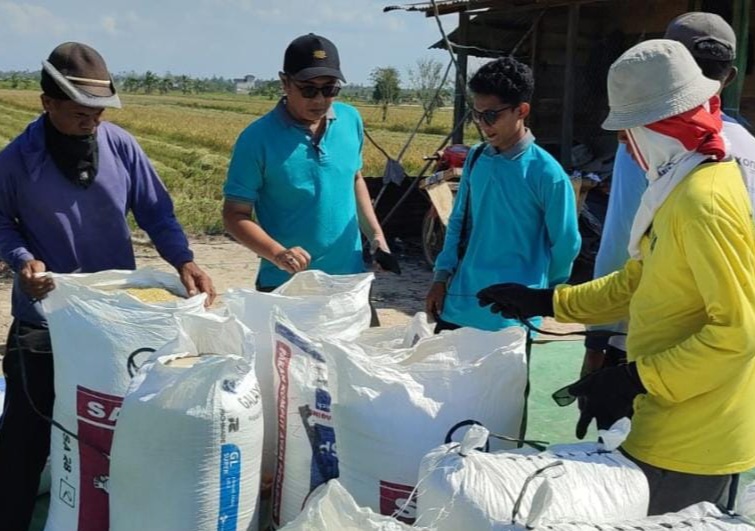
{"type": "Point", "coordinates": [386, 89]}
{"type": "Point", "coordinates": [152, 83]}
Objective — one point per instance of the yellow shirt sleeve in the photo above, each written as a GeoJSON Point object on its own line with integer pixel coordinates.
{"type": "Point", "coordinates": [600, 301]}
{"type": "Point", "coordinates": [716, 251]}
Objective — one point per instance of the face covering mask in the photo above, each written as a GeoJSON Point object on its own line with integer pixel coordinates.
{"type": "Point", "coordinates": [77, 157]}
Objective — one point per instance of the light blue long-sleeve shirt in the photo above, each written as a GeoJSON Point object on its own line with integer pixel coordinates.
{"type": "Point", "coordinates": [628, 183]}
{"type": "Point", "coordinates": [523, 228]}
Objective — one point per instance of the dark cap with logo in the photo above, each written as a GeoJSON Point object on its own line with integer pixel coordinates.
{"type": "Point", "coordinates": [78, 72]}
{"type": "Point", "coordinates": [311, 56]}
{"type": "Point", "coordinates": [706, 35]}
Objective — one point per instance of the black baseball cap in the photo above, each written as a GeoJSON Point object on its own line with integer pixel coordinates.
{"type": "Point", "coordinates": [78, 72]}
{"type": "Point", "coordinates": [312, 56]}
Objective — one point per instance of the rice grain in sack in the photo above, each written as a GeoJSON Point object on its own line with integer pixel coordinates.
{"type": "Point", "coordinates": [188, 447]}
{"type": "Point", "coordinates": [94, 327]}
{"type": "Point", "coordinates": [331, 508]}
{"type": "Point", "coordinates": [316, 303]}
{"type": "Point", "coordinates": [465, 487]}
{"type": "Point", "coordinates": [389, 411]}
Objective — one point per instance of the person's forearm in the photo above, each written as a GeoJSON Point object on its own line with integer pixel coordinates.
{"type": "Point", "coordinates": [253, 237]}
{"type": "Point", "coordinates": [368, 222]}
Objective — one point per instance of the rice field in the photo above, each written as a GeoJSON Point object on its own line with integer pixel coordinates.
{"type": "Point", "coordinates": [189, 140]}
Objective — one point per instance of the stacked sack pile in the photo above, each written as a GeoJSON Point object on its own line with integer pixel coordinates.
{"type": "Point", "coordinates": [283, 409]}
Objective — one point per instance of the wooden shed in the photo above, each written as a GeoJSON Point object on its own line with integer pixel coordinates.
{"type": "Point", "coordinates": [570, 45]}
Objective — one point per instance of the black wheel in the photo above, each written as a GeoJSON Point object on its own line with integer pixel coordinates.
{"type": "Point", "coordinates": [433, 234]}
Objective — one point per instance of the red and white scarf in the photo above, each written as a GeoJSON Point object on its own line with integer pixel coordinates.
{"type": "Point", "coordinates": [668, 150]}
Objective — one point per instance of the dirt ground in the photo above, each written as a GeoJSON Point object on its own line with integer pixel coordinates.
{"type": "Point", "coordinates": [397, 298]}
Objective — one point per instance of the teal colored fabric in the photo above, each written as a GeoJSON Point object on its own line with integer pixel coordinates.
{"type": "Point", "coordinates": [302, 187]}
{"type": "Point", "coordinates": [523, 228]}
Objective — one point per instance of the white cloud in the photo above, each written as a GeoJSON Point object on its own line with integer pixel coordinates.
{"type": "Point", "coordinates": [30, 19]}
{"type": "Point", "coordinates": [109, 25]}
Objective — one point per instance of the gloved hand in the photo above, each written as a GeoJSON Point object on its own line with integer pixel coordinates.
{"type": "Point", "coordinates": [606, 395]}
{"type": "Point", "coordinates": [515, 300]}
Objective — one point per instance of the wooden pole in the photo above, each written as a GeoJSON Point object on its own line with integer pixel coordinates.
{"type": "Point", "coordinates": [460, 98]}
{"type": "Point", "coordinates": [534, 43]}
{"type": "Point", "coordinates": [567, 119]}
{"type": "Point", "coordinates": [740, 22]}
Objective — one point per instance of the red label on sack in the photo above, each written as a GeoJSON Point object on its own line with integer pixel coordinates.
{"type": "Point", "coordinates": [398, 501]}
{"type": "Point", "coordinates": [282, 362]}
{"type": "Point", "coordinates": [97, 414]}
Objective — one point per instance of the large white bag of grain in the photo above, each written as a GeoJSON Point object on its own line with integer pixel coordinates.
{"type": "Point", "coordinates": [331, 508]}
{"type": "Point", "coordinates": [188, 447]}
{"type": "Point", "coordinates": [317, 303]}
{"type": "Point", "coordinates": [699, 517]}
{"type": "Point", "coordinates": [95, 326]}
{"type": "Point", "coordinates": [389, 411]}
{"type": "Point", "coordinates": [464, 488]}
{"type": "Point", "coordinates": [402, 336]}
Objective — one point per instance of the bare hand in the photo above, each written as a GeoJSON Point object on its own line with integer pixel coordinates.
{"type": "Point", "coordinates": [434, 300]}
{"type": "Point", "coordinates": [292, 260]}
{"type": "Point", "coordinates": [196, 281]}
{"type": "Point", "coordinates": [34, 286]}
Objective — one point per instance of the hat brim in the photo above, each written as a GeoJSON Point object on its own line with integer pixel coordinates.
{"type": "Point", "coordinates": [644, 113]}
{"type": "Point", "coordinates": [318, 71]}
{"type": "Point", "coordinates": [88, 98]}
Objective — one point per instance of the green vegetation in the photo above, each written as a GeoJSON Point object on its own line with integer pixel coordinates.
{"type": "Point", "coordinates": [189, 139]}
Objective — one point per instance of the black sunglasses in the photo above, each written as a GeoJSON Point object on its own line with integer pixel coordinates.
{"type": "Point", "coordinates": [563, 397]}
{"type": "Point", "coordinates": [489, 116]}
{"type": "Point", "coordinates": [310, 91]}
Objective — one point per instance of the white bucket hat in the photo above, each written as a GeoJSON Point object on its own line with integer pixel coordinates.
{"type": "Point", "coordinates": [654, 80]}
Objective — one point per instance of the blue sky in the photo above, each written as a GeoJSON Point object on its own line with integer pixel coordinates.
{"type": "Point", "coordinates": [227, 38]}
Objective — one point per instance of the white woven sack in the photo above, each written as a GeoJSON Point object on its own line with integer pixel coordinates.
{"type": "Point", "coordinates": [389, 411]}
{"type": "Point", "coordinates": [94, 330]}
{"type": "Point", "coordinates": [699, 517]}
{"type": "Point", "coordinates": [462, 486]}
{"type": "Point", "coordinates": [188, 446]}
{"type": "Point", "coordinates": [316, 303]}
{"type": "Point", "coordinates": [402, 336]}
{"type": "Point", "coordinates": [332, 508]}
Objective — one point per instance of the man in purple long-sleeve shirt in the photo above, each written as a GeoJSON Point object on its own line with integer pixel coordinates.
{"type": "Point", "coordinates": [66, 185]}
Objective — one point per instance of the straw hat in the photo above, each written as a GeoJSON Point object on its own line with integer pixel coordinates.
{"type": "Point", "coordinates": [654, 80]}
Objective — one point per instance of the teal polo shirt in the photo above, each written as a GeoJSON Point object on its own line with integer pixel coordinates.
{"type": "Point", "coordinates": [302, 187]}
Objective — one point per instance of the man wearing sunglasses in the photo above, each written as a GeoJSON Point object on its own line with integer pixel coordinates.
{"type": "Point", "coordinates": [299, 169]}
{"type": "Point", "coordinates": [514, 218]}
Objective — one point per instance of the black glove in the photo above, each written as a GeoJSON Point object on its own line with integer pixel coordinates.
{"type": "Point", "coordinates": [387, 261]}
{"type": "Point", "coordinates": [517, 301]}
{"type": "Point", "coordinates": [605, 395]}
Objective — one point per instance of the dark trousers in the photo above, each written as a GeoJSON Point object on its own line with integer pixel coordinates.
{"type": "Point", "coordinates": [441, 325]}
{"type": "Point", "coordinates": [673, 491]}
{"type": "Point", "coordinates": [24, 435]}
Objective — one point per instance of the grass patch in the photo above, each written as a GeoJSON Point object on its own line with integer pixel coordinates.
{"type": "Point", "coordinates": [189, 139]}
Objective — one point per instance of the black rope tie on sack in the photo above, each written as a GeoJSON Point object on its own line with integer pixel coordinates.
{"type": "Point", "coordinates": [131, 365]}
{"type": "Point", "coordinates": [25, 385]}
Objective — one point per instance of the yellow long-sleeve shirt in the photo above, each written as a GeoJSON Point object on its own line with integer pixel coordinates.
{"type": "Point", "coordinates": [691, 309]}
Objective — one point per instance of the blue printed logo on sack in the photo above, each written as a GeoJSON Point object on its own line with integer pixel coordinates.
{"type": "Point", "coordinates": [230, 487]}
{"type": "Point", "coordinates": [322, 400]}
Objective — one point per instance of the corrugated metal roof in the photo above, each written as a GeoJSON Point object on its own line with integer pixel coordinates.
{"type": "Point", "coordinates": [444, 6]}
